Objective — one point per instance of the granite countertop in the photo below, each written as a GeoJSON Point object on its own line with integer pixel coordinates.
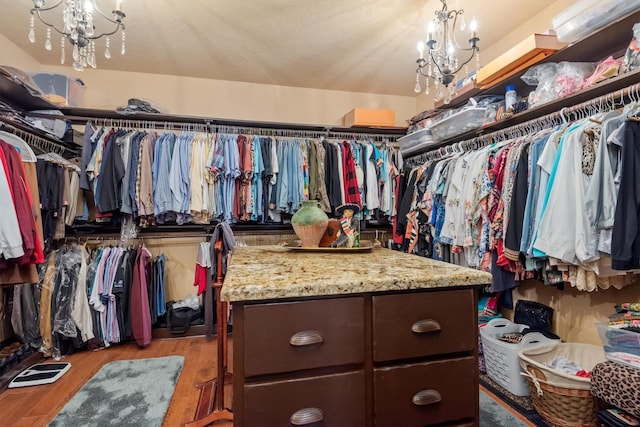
{"type": "Point", "coordinates": [273, 272]}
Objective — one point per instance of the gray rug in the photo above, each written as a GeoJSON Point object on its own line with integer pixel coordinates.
{"type": "Point", "coordinates": [493, 414]}
{"type": "Point", "coordinates": [124, 393]}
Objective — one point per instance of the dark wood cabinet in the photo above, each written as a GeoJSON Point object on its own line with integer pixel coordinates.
{"type": "Point", "coordinates": [390, 359]}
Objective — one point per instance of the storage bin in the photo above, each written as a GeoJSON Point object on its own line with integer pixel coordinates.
{"type": "Point", "coordinates": [416, 141]}
{"type": "Point", "coordinates": [619, 345]}
{"type": "Point", "coordinates": [585, 17]}
{"type": "Point", "coordinates": [61, 90]}
{"type": "Point", "coordinates": [501, 358]}
{"type": "Point", "coordinates": [463, 121]}
{"type": "Point", "coordinates": [560, 398]}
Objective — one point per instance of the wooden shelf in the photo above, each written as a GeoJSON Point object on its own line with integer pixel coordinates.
{"type": "Point", "coordinates": [603, 88]}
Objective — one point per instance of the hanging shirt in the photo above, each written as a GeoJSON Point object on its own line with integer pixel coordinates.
{"type": "Point", "coordinates": [562, 229]}
{"type": "Point", "coordinates": [162, 196]}
{"type": "Point", "coordinates": [10, 239]}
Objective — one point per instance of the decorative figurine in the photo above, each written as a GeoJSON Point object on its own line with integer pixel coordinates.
{"type": "Point", "coordinates": [349, 231]}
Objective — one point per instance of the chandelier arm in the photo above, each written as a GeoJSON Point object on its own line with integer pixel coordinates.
{"type": "Point", "coordinates": [45, 9]}
{"type": "Point", "coordinates": [419, 70]}
{"type": "Point", "coordinates": [37, 13]}
{"type": "Point", "coordinates": [120, 14]}
{"type": "Point", "coordinates": [455, 21]}
{"type": "Point", "coordinates": [118, 26]}
{"type": "Point", "coordinates": [465, 62]}
{"type": "Point", "coordinates": [436, 64]}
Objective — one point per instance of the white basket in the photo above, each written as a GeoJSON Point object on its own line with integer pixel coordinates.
{"type": "Point", "coordinates": [501, 358]}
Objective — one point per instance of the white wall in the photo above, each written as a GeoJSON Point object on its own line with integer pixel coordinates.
{"type": "Point", "coordinates": [106, 89]}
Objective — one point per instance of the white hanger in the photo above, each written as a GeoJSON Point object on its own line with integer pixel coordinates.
{"type": "Point", "coordinates": [23, 148]}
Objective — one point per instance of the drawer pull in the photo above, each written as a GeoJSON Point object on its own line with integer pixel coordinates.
{"type": "Point", "coordinates": [303, 338]}
{"type": "Point", "coordinates": [426, 397]}
{"type": "Point", "coordinates": [425, 325]}
{"type": "Point", "coordinates": [306, 416]}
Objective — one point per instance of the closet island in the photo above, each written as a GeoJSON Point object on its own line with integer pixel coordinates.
{"type": "Point", "coordinates": [374, 338]}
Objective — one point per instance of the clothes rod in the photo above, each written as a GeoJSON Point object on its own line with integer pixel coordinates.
{"type": "Point", "coordinates": [158, 121]}
{"type": "Point", "coordinates": [34, 140]}
{"type": "Point", "coordinates": [107, 239]}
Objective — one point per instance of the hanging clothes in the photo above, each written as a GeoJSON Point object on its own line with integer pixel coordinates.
{"type": "Point", "coordinates": [537, 205]}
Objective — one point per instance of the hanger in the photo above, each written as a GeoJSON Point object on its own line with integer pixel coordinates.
{"type": "Point", "coordinates": [26, 153]}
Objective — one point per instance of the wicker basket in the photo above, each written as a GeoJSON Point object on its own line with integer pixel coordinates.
{"type": "Point", "coordinates": [562, 399]}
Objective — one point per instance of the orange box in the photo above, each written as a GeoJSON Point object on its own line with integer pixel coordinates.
{"type": "Point", "coordinates": [370, 118]}
{"type": "Point", "coordinates": [526, 53]}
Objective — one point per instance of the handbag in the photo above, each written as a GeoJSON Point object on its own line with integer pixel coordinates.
{"type": "Point", "coordinates": [180, 319]}
{"type": "Point", "coordinates": [534, 314]}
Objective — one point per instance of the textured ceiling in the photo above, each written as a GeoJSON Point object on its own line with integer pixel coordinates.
{"type": "Point", "coordinates": [352, 45]}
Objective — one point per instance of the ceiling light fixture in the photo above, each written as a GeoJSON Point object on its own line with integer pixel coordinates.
{"type": "Point", "coordinates": [442, 63]}
{"type": "Point", "coordinates": [78, 28]}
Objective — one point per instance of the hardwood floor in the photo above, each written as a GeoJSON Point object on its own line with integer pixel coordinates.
{"type": "Point", "coordinates": [36, 406]}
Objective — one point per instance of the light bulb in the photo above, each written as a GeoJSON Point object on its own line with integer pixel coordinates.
{"type": "Point", "coordinates": [474, 25]}
{"type": "Point", "coordinates": [421, 49]}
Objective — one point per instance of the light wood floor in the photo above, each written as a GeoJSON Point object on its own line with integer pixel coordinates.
{"type": "Point", "coordinates": [37, 406]}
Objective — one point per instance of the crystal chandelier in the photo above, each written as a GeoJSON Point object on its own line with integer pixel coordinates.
{"type": "Point", "coordinates": [442, 63]}
{"type": "Point", "coordinates": [78, 28]}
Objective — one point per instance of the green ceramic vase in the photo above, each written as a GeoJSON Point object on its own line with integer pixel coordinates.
{"type": "Point", "coordinates": [309, 223]}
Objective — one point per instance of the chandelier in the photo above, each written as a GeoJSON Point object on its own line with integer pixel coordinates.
{"type": "Point", "coordinates": [78, 28]}
{"type": "Point", "coordinates": [442, 62]}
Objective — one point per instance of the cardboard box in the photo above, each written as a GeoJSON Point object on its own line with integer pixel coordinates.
{"type": "Point", "coordinates": [526, 53]}
{"type": "Point", "coordinates": [370, 118]}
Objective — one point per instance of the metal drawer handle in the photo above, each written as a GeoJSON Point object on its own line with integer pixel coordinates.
{"type": "Point", "coordinates": [426, 397]}
{"type": "Point", "coordinates": [425, 325]}
{"type": "Point", "coordinates": [306, 416]}
{"type": "Point", "coordinates": [302, 338]}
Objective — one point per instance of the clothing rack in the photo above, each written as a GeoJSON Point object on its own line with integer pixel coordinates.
{"type": "Point", "coordinates": [38, 143]}
{"type": "Point", "coordinates": [606, 102]}
{"type": "Point", "coordinates": [203, 124]}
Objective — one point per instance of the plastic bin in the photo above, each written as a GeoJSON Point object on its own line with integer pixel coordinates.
{"type": "Point", "coordinates": [501, 358]}
{"type": "Point", "coordinates": [416, 141]}
{"type": "Point", "coordinates": [463, 121]}
{"type": "Point", "coordinates": [560, 398]}
{"type": "Point", "coordinates": [619, 345]}
{"type": "Point", "coordinates": [61, 90]}
{"type": "Point", "coordinates": [587, 16]}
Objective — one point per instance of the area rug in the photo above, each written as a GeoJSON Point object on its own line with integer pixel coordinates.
{"type": "Point", "coordinates": [522, 404]}
{"type": "Point", "coordinates": [494, 414]}
{"type": "Point", "coordinates": [124, 393]}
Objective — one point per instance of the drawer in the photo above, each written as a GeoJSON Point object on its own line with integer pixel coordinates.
{"type": "Point", "coordinates": [442, 390]}
{"type": "Point", "coordinates": [339, 399]}
{"type": "Point", "coordinates": [424, 324]}
{"type": "Point", "coordinates": [286, 337]}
